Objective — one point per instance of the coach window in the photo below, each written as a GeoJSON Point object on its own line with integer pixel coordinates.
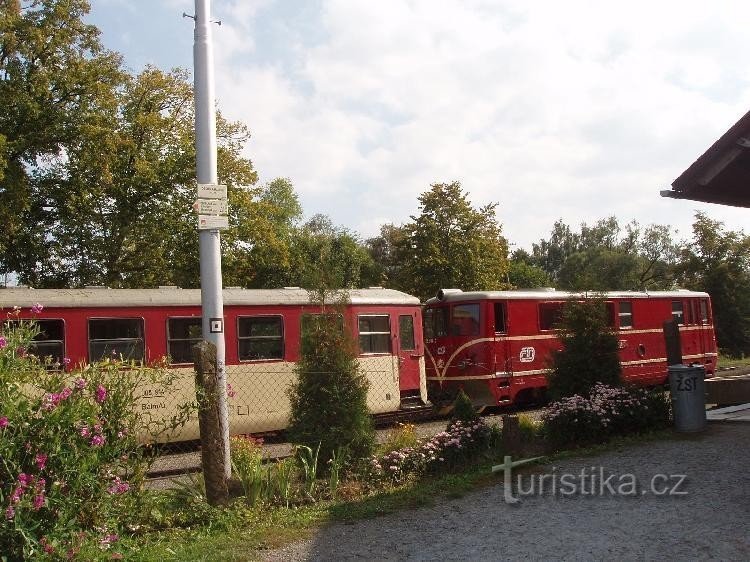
{"type": "Point", "coordinates": [49, 343]}
{"type": "Point", "coordinates": [182, 335]}
{"type": "Point", "coordinates": [116, 337]}
{"type": "Point", "coordinates": [549, 314]}
{"type": "Point", "coordinates": [406, 332]}
{"type": "Point", "coordinates": [435, 322]}
{"type": "Point", "coordinates": [260, 338]}
{"type": "Point", "coordinates": [501, 314]}
{"type": "Point", "coordinates": [374, 334]}
{"type": "Point", "coordinates": [703, 311]}
{"type": "Point", "coordinates": [626, 315]}
{"type": "Point", "coordinates": [690, 312]}
{"type": "Point", "coordinates": [677, 312]}
{"type": "Point", "coordinates": [465, 320]}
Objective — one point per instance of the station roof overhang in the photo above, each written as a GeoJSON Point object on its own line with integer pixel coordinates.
{"type": "Point", "coordinates": [722, 173]}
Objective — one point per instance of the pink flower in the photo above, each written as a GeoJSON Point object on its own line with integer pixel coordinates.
{"type": "Point", "coordinates": [10, 513]}
{"type": "Point", "coordinates": [65, 394]}
{"type": "Point", "coordinates": [97, 440]}
{"type": "Point", "coordinates": [37, 308]}
{"type": "Point", "coordinates": [101, 394]}
{"type": "Point", "coordinates": [40, 460]}
{"type": "Point", "coordinates": [24, 479]}
{"type": "Point", "coordinates": [3, 342]}
{"type": "Point", "coordinates": [66, 361]}
{"type": "Point", "coordinates": [38, 502]}
{"type": "Point", "coordinates": [85, 432]}
{"type": "Point", "coordinates": [80, 383]}
{"type": "Point", "coordinates": [4, 422]}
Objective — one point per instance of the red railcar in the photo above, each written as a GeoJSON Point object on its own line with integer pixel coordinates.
{"type": "Point", "coordinates": [262, 331]}
{"type": "Point", "coordinates": [496, 345]}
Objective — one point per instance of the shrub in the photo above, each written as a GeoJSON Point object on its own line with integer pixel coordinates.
{"type": "Point", "coordinates": [528, 427]}
{"type": "Point", "coordinates": [329, 397]}
{"type": "Point", "coordinates": [71, 460]}
{"type": "Point", "coordinates": [606, 412]}
{"type": "Point", "coordinates": [463, 409]}
{"type": "Point", "coordinates": [449, 449]}
{"type": "Point", "coordinates": [402, 436]}
{"type": "Point", "coordinates": [589, 353]}
{"type": "Point", "coordinates": [247, 464]}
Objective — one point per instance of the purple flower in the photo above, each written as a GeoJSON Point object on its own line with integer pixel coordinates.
{"type": "Point", "coordinates": [65, 394]}
{"type": "Point", "coordinates": [101, 394]}
{"type": "Point", "coordinates": [3, 342]}
{"type": "Point", "coordinates": [10, 513]}
{"type": "Point", "coordinates": [24, 479]}
{"type": "Point", "coordinates": [37, 308]}
{"type": "Point", "coordinates": [80, 383]}
{"type": "Point", "coordinates": [97, 441]}
{"type": "Point", "coordinates": [38, 502]}
{"type": "Point", "coordinates": [40, 460]}
{"type": "Point", "coordinates": [66, 360]}
{"type": "Point", "coordinates": [85, 432]}
{"type": "Point", "coordinates": [4, 422]}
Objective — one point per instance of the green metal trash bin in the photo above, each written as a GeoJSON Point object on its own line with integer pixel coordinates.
{"type": "Point", "coordinates": [687, 386]}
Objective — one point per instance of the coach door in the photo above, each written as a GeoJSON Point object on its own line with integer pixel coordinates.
{"type": "Point", "coordinates": [408, 351]}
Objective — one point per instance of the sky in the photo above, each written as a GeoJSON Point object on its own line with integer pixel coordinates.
{"type": "Point", "coordinates": [572, 110]}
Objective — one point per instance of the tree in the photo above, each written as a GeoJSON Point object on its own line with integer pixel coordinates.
{"type": "Point", "coordinates": [329, 397]}
{"type": "Point", "coordinates": [718, 262]}
{"type": "Point", "coordinates": [55, 81]}
{"type": "Point", "coordinates": [451, 244]}
{"type": "Point", "coordinates": [606, 256]}
{"type": "Point", "coordinates": [589, 351]}
{"type": "Point", "coordinates": [118, 207]}
{"type": "Point", "coordinates": [384, 250]}
{"type": "Point", "coordinates": [330, 256]}
{"type": "Point", "coordinates": [523, 274]}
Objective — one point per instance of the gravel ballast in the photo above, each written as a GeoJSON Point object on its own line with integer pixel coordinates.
{"type": "Point", "coordinates": [709, 521]}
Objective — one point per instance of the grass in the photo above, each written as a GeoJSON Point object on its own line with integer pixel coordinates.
{"type": "Point", "coordinates": [240, 533]}
{"type": "Point", "coordinates": [726, 361]}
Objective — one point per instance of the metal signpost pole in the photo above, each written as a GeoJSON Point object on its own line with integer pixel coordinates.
{"type": "Point", "coordinates": [210, 249]}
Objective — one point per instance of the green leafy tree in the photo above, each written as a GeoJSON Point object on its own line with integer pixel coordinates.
{"type": "Point", "coordinates": [329, 397]}
{"type": "Point", "coordinates": [452, 244]}
{"type": "Point", "coordinates": [385, 252]}
{"type": "Point", "coordinates": [523, 274]}
{"type": "Point", "coordinates": [118, 207]}
{"type": "Point", "coordinates": [55, 81]}
{"type": "Point", "coordinates": [589, 351]}
{"type": "Point", "coordinates": [718, 261]}
{"type": "Point", "coordinates": [329, 256]}
{"type": "Point", "coordinates": [606, 256]}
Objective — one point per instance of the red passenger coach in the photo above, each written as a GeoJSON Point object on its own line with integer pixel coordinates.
{"type": "Point", "coordinates": [262, 331]}
{"type": "Point", "coordinates": [496, 345]}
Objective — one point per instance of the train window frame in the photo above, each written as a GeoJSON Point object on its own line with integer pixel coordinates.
{"type": "Point", "coordinates": [689, 312]}
{"type": "Point", "coordinates": [369, 334]}
{"type": "Point", "coordinates": [503, 305]}
{"type": "Point", "coordinates": [52, 366]}
{"type": "Point", "coordinates": [476, 326]}
{"type": "Point", "coordinates": [678, 314]}
{"type": "Point", "coordinates": [281, 337]}
{"type": "Point", "coordinates": [622, 314]}
{"type": "Point", "coordinates": [557, 311]}
{"type": "Point", "coordinates": [705, 318]}
{"type": "Point", "coordinates": [170, 339]}
{"type": "Point", "coordinates": [429, 321]}
{"type": "Point", "coordinates": [413, 346]}
{"type": "Point", "coordinates": [116, 318]}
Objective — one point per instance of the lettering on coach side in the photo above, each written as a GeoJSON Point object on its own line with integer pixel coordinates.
{"type": "Point", "coordinates": [527, 354]}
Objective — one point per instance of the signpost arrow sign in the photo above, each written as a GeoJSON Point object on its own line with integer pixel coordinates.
{"type": "Point", "coordinates": [211, 206]}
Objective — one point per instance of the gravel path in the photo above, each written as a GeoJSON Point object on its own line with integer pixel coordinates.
{"type": "Point", "coordinates": [710, 522]}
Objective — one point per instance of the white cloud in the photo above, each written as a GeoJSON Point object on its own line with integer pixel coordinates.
{"type": "Point", "coordinates": [575, 110]}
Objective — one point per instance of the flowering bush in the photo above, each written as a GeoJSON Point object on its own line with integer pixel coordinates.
{"type": "Point", "coordinates": [605, 412]}
{"type": "Point", "coordinates": [446, 450]}
{"type": "Point", "coordinates": [71, 460]}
